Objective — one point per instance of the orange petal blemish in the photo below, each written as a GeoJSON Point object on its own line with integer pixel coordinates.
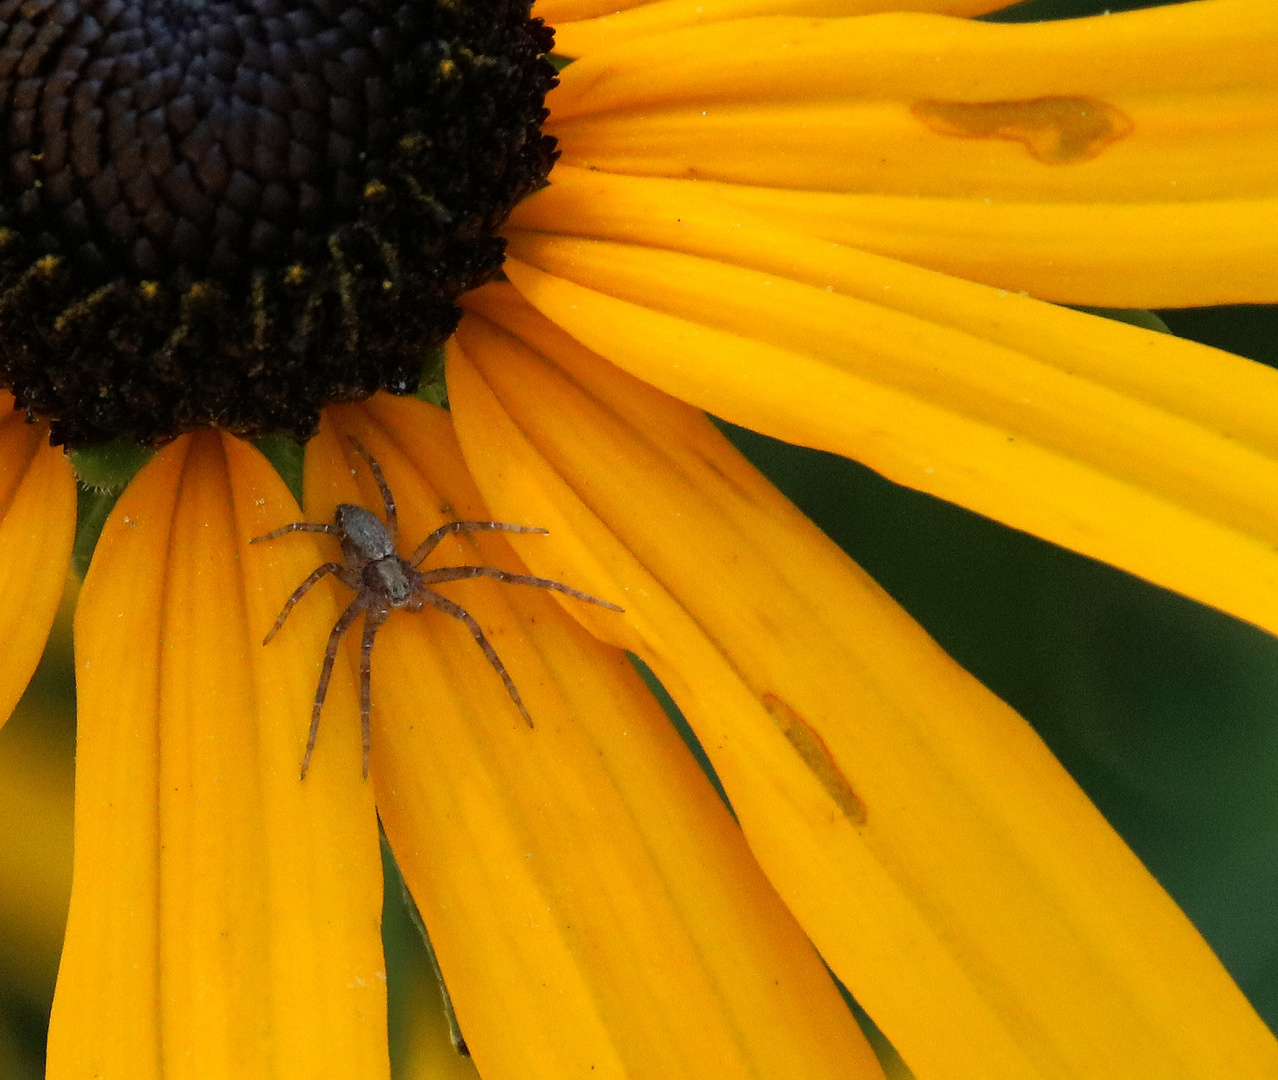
{"type": "Point", "coordinates": [816, 756]}
{"type": "Point", "coordinates": [1055, 130]}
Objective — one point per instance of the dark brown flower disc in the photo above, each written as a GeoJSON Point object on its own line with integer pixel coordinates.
{"type": "Point", "coordinates": [232, 212]}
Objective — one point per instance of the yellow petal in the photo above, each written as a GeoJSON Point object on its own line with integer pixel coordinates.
{"type": "Point", "coordinates": [1124, 160]}
{"type": "Point", "coordinates": [583, 26]}
{"type": "Point", "coordinates": [560, 11]}
{"type": "Point", "coordinates": [975, 903]}
{"type": "Point", "coordinates": [1155, 454]}
{"type": "Point", "coordinates": [1107, 254]}
{"type": "Point", "coordinates": [593, 906]}
{"type": "Point", "coordinates": [1183, 105]}
{"type": "Point", "coordinates": [1113, 254]}
{"type": "Point", "coordinates": [224, 914]}
{"type": "Point", "coordinates": [37, 529]}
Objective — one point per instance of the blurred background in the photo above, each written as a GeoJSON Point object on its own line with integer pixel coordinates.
{"type": "Point", "coordinates": [1164, 711]}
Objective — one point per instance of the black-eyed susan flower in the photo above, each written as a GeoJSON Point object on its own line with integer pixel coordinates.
{"type": "Point", "coordinates": [829, 222]}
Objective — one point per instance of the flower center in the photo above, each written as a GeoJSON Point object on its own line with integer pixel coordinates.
{"type": "Point", "coordinates": [232, 212]}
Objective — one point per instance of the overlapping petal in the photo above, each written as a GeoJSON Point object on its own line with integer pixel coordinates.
{"type": "Point", "coordinates": [939, 857]}
{"type": "Point", "coordinates": [1172, 87]}
{"type": "Point", "coordinates": [1107, 254]}
{"type": "Point", "coordinates": [224, 914]}
{"type": "Point", "coordinates": [583, 26]}
{"type": "Point", "coordinates": [37, 529]}
{"type": "Point", "coordinates": [1124, 160]}
{"type": "Point", "coordinates": [1155, 454]}
{"type": "Point", "coordinates": [593, 906]}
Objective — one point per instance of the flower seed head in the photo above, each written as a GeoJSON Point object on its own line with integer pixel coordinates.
{"type": "Point", "coordinates": [232, 212]}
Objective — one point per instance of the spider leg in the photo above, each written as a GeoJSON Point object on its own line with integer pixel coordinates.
{"type": "Point", "coordinates": [428, 545]}
{"type": "Point", "coordinates": [457, 573]}
{"type": "Point", "coordinates": [326, 672]}
{"type": "Point", "coordinates": [316, 575]}
{"type": "Point", "coordinates": [373, 619]}
{"type": "Point", "coordinates": [388, 500]}
{"type": "Point", "coordinates": [297, 526]}
{"type": "Point", "coordinates": [460, 613]}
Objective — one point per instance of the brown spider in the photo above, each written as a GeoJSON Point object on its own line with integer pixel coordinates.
{"type": "Point", "coordinates": [382, 579]}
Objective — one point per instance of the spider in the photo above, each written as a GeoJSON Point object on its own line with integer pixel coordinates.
{"type": "Point", "coordinates": [381, 579]}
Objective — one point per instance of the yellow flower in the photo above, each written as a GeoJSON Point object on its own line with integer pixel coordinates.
{"type": "Point", "coordinates": [750, 213]}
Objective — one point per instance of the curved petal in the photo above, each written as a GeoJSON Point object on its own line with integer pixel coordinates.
{"type": "Point", "coordinates": [1109, 254]}
{"type": "Point", "coordinates": [942, 861]}
{"type": "Point", "coordinates": [592, 904]}
{"type": "Point", "coordinates": [1105, 254]}
{"type": "Point", "coordinates": [583, 26]}
{"type": "Point", "coordinates": [923, 104]}
{"type": "Point", "coordinates": [1154, 454]}
{"type": "Point", "coordinates": [224, 915]}
{"type": "Point", "coordinates": [37, 529]}
{"type": "Point", "coordinates": [1124, 160]}
{"type": "Point", "coordinates": [555, 12]}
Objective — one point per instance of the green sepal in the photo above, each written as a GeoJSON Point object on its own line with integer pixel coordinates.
{"type": "Point", "coordinates": [91, 514]}
{"type": "Point", "coordinates": [433, 387]}
{"type": "Point", "coordinates": [103, 471]}
{"type": "Point", "coordinates": [287, 456]}
{"type": "Point", "coordinates": [109, 466]}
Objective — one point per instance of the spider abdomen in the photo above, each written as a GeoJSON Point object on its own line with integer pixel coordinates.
{"type": "Point", "coordinates": [365, 532]}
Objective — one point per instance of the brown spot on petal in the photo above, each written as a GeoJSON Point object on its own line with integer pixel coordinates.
{"type": "Point", "coordinates": [812, 749]}
{"type": "Point", "coordinates": [1055, 130]}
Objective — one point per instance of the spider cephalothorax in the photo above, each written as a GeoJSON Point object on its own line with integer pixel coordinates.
{"type": "Point", "coordinates": [382, 579]}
